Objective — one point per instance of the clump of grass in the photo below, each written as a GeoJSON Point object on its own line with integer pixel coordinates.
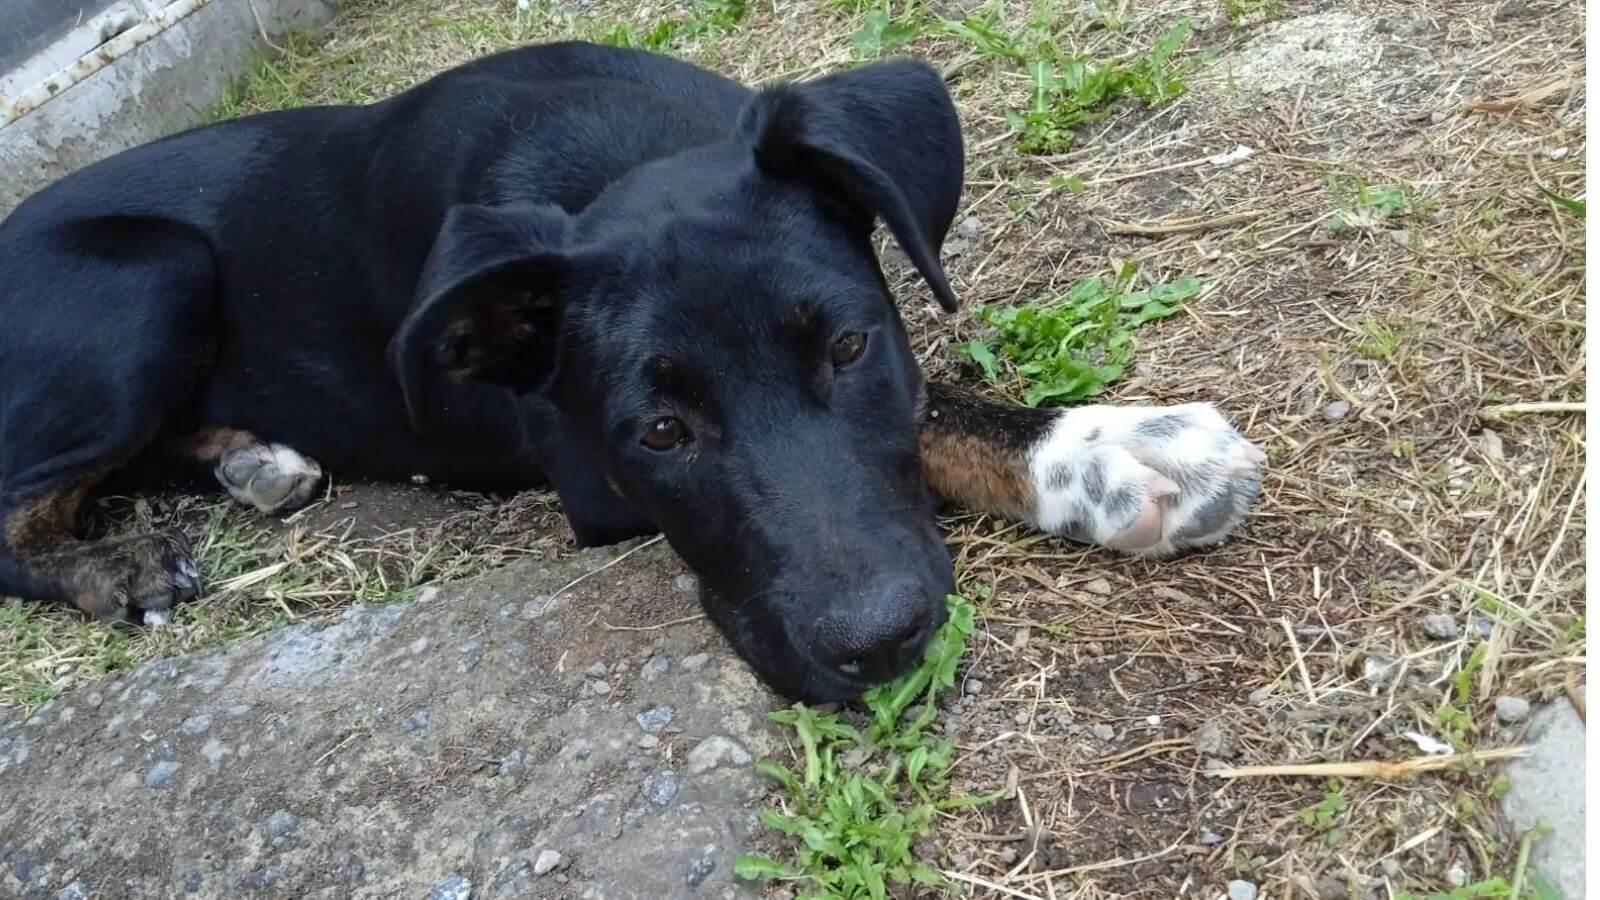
{"type": "Point", "coordinates": [1251, 10]}
{"type": "Point", "coordinates": [1323, 816]}
{"type": "Point", "coordinates": [1361, 207]}
{"type": "Point", "coordinates": [710, 17]}
{"type": "Point", "coordinates": [1074, 346]}
{"type": "Point", "coordinates": [884, 31]}
{"type": "Point", "coordinates": [858, 801]}
{"type": "Point", "coordinates": [1069, 92]}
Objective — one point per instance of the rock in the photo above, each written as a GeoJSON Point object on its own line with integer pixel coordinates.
{"type": "Point", "coordinates": [417, 721]}
{"type": "Point", "coordinates": [695, 662]}
{"type": "Point", "coordinates": [974, 687]}
{"type": "Point", "coordinates": [656, 718]}
{"type": "Point", "coordinates": [1440, 627]}
{"type": "Point", "coordinates": [970, 227]}
{"type": "Point", "coordinates": [1379, 670]}
{"type": "Point", "coordinates": [512, 765]}
{"type": "Point", "coordinates": [1261, 696]}
{"type": "Point", "coordinates": [1336, 410]}
{"type": "Point", "coordinates": [1401, 237]}
{"type": "Point", "coordinates": [598, 670]}
{"type": "Point", "coordinates": [655, 668]}
{"type": "Point", "coordinates": [716, 751]}
{"type": "Point", "coordinates": [194, 726]}
{"type": "Point", "coordinates": [699, 868]}
{"type": "Point", "coordinates": [1239, 889]}
{"type": "Point", "coordinates": [282, 825]}
{"type": "Point", "coordinates": [661, 787]}
{"type": "Point", "coordinates": [686, 583]}
{"type": "Point", "coordinates": [162, 774]}
{"type": "Point", "coordinates": [1332, 887]}
{"type": "Point", "coordinates": [547, 861]}
{"type": "Point", "coordinates": [649, 742]}
{"type": "Point", "coordinates": [600, 687]}
{"type": "Point", "coordinates": [1098, 586]}
{"type": "Point", "coordinates": [1511, 710]}
{"type": "Point", "coordinates": [1457, 875]}
{"type": "Point", "coordinates": [1102, 731]}
{"type": "Point", "coordinates": [1547, 786]}
{"type": "Point", "coordinates": [1438, 117]}
{"type": "Point", "coordinates": [455, 887]}
{"type": "Point", "coordinates": [1479, 627]}
{"type": "Point", "coordinates": [1211, 740]}
{"type": "Point", "coordinates": [73, 891]}
{"type": "Point", "coordinates": [1210, 838]}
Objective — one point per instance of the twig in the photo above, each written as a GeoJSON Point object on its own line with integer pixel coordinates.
{"type": "Point", "coordinates": [568, 586]}
{"type": "Point", "coordinates": [1576, 699]}
{"type": "Point", "coordinates": [1299, 660]}
{"type": "Point", "coordinates": [984, 883]}
{"type": "Point", "coordinates": [1181, 226]}
{"type": "Point", "coordinates": [683, 621]}
{"type": "Point", "coordinates": [1510, 410]}
{"type": "Point", "coordinates": [1371, 768]}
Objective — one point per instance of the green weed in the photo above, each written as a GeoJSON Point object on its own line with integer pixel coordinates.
{"type": "Point", "coordinates": [710, 17]}
{"type": "Point", "coordinates": [1379, 340]}
{"type": "Point", "coordinates": [1359, 206]}
{"type": "Point", "coordinates": [1072, 347]}
{"type": "Point", "coordinates": [1454, 712]}
{"type": "Point", "coordinates": [1251, 10]}
{"type": "Point", "coordinates": [884, 31]}
{"type": "Point", "coordinates": [1323, 816]}
{"type": "Point", "coordinates": [1578, 208]}
{"type": "Point", "coordinates": [858, 801]}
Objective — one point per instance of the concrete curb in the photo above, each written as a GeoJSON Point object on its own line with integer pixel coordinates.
{"type": "Point", "coordinates": [148, 71]}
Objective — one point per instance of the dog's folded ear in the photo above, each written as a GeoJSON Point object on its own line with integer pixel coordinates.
{"type": "Point", "coordinates": [882, 140]}
{"type": "Point", "coordinates": [487, 303]}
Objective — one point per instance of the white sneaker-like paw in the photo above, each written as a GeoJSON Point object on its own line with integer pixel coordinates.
{"type": "Point", "coordinates": [1151, 481]}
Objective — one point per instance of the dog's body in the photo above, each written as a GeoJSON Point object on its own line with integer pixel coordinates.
{"type": "Point", "coordinates": [670, 273]}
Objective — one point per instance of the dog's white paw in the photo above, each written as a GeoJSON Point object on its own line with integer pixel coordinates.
{"type": "Point", "coordinates": [271, 477]}
{"type": "Point", "coordinates": [1151, 481]}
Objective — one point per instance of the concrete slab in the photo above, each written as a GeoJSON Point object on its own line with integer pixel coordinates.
{"type": "Point", "coordinates": [1547, 787]}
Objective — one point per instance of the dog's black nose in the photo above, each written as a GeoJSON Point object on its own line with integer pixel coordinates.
{"type": "Point", "coordinates": [881, 635]}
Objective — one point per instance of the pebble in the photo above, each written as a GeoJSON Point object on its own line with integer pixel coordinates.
{"type": "Point", "coordinates": [699, 869]}
{"type": "Point", "coordinates": [1211, 740]}
{"type": "Point", "coordinates": [512, 765]}
{"type": "Point", "coordinates": [162, 774]}
{"type": "Point", "coordinates": [73, 891]}
{"type": "Point", "coordinates": [661, 787]}
{"type": "Point", "coordinates": [686, 583]}
{"type": "Point", "coordinates": [598, 670]}
{"type": "Point", "coordinates": [194, 726]}
{"type": "Point", "coordinates": [1441, 627]}
{"type": "Point", "coordinates": [1210, 838]}
{"type": "Point", "coordinates": [1456, 875]}
{"type": "Point", "coordinates": [1480, 627]}
{"type": "Point", "coordinates": [1239, 889]}
{"type": "Point", "coordinates": [971, 226]}
{"type": "Point", "coordinates": [654, 719]}
{"type": "Point", "coordinates": [1261, 695]}
{"type": "Point", "coordinates": [282, 824]}
{"type": "Point", "coordinates": [1336, 410]}
{"type": "Point", "coordinates": [418, 646]}
{"type": "Point", "coordinates": [1102, 731]}
{"type": "Point", "coordinates": [649, 742]}
{"type": "Point", "coordinates": [655, 668]}
{"type": "Point", "coordinates": [1401, 236]}
{"type": "Point", "coordinates": [417, 721]}
{"type": "Point", "coordinates": [547, 861]}
{"type": "Point", "coordinates": [600, 687]}
{"type": "Point", "coordinates": [1152, 720]}
{"type": "Point", "coordinates": [1438, 116]}
{"type": "Point", "coordinates": [716, 751]}
{"type": "Point", "coordinates": [1379, 670]}
{"type": "Point", "coordinates": [1511, 710]}
{"type": "Point", "coordinates": [455, 887]}
{"type": "Point", "coordinates": [974, 687]}
{"type": "Point", "coordinates": [696, 662]}
{"type": "Point", "coordinates": [1098, 586]}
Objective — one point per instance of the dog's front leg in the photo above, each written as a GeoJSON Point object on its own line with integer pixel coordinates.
{"type": "Point", "coordinates": [1148, 480]}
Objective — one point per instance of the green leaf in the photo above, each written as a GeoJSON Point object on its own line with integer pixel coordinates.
{"type": "Point", "coordinates": [980, 353]}
{"type": "Point", "coordinates": [757, 867]}
{"type": "Point", "coordinates": [1576, 207]}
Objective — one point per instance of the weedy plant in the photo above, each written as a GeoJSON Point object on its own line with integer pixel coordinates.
{"type": "Point", "coordinates": [858, 800]}
{"type": "Point", "coordinates": [1323, 816]}
{"type": "Point", "coordinates": [709, 17]}
{"type": "Point", "coordinates": [884, 31]}
{"type": "Point", "coordinates": [1075, 346]}
{"type": "Point", "coordinates": [1239, 11]}
{"type": "Point", "coordinates": [1360, 206]}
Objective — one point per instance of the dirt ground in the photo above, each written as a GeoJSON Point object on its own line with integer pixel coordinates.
{"type": "Point", "coordinates": [1414, 370]}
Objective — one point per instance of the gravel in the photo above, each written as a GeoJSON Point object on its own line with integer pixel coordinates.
{"type": "Point", "coordinates": [1102, 731]}
{"type": "Point", "coordinates": [1239, 889]}
{"type": "Point", "coordinates": [454, 887]}
{"type": "Point", "coordinates": [1511, 710]}
{"type": "Point", "coordinates": [661, 787]}
{"type": "Point", "coordinates": [655, 668]}
{"type": "Point", "coordinates": [1211, 740]}
{"type": "Point", "coordinates": [162, 774]}
{"type": "Point", "coordinates": [194, 726]}
{"type": "Point", "coordinates": [656, 718]}
{"type": "Point", "coordinates": [547, 861]}
{"type": "Point", "coordinates": [696, 662]}
{"type": "Point", "coordinates": [417, 721]}
{"type": "Point", "coordinates": [1336, 410]}
{"type": "Point", "coordinates": [1441, 627]}
{"type": "Point", "coordinates": [282, 825]}
{"type": "Point", "coordinates": [716, 751]}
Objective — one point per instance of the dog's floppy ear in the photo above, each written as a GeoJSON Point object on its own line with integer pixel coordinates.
{"type": "Point", "coordinates": [884, 140]}
{"type": "Point", "coordinates": [487, 306]}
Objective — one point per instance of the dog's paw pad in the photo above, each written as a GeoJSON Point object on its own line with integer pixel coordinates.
{"type": "Point", "coordinates": [271, 477]}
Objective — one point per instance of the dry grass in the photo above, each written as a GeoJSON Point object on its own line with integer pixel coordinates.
{"type": "Point", "coordinates": [1375, 362]}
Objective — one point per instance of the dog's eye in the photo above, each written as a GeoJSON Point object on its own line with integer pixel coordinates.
{"type": "Point", "coordinates": [665, 433]}
{"type": "Point", "coordinates": [847, 349]}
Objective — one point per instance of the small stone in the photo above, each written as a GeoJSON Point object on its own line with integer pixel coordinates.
{"type": "Point", "coordinates": [598, 670]}
{"type": "Point", "coordinates": [194, 726]}
{"type": "Point", "coordinates": [1557, 154]}
{"type": "Point", "coordinates": [512, 765]}
{"type": "Point", "coordinates": [1480, 627]}
{"type": "Point", "coordinates": [417, 721]}
{"type": "Point", "coordinates": [1211, 740]}
{"type": "Point", "coordinates": [655, 667]}
{"type": "Point", "coordinates": [1511, 710]}
{"type": "Point", "coordinates": [1102, 731]}
{"type": "Point", "coordinates": [716, 751]}
{"type": "Point", "coordinates": [1152, 720]}
{"type": "Point", "coordinates": [455, 887]}
{"type": "Point", "coordinates": [1336, 410]}
{"type": "Point", "coordinates": [547, 861]}
{"type": "Point", "coordinates": [1441, 627]}
{"type": "Point", "coordinates": [1261, 695]}
{"type": "Point", "coordinates": [1456, 875]}
{"type": "Point", "coordinates": [656, 718]}
{"type": "Point", "coordinates": [649, 742]}
{"type": "Point", "coordinates": [1331, 887]}
{"type": "Point", "coordinates": [1210, 838]}
{"type": "Point", "coordinates": [162, 774]}
{"type": "Point", "coordinates": [600, 687]}
{"type": "Point", "coordinates": [418, 646]}
{"type": "Point", "coordinates": [534, 608]}
{"type": "Point", "coordinates": [282, 824]}
{"type": "Point", "coordinates": [970, 227]}
{"type": "Point", "coordinates": [1379, 670]}
{"type": "Point", "coordinates": [696, 662]}
{"type": "Point", "coordinates": [1098, 586]}
{"type": "Point", "coordinates": [1239, 889]}
{"type": "Point", "coordinates": [661, 787]}
{"type": "Point", "coordinates": [974, 687]}
{"type": "Point", "coordinates": [73, 891]}
{"type": "Point", "coordinates": [686, 583]}
{"type": "Point", "coordinates": [1438, 116]}
{"type": "Point", "coordinates": [699, 869]}
{"type": "Point", "coordinates": [1401, 237]}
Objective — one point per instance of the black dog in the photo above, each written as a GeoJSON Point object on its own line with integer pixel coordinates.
{"type": "Point", "coordinates": [605, 270]}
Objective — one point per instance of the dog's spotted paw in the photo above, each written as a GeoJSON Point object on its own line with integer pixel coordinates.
{"type": "Point", "coordinates": [1151, 481]}
{"type": "Point", "coordinates": [271, 477]}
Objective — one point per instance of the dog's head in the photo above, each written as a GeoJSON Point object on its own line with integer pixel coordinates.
{"type": "Point", "coordinates": [716, 327]}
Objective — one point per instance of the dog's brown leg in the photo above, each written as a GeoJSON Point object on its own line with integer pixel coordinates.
{"type": "Point", "coordinates": [1150, 480]}
{"type": "Point", "coordinates": [271, 477]}
{"type": "Point", "coordinates": [135, 579]}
